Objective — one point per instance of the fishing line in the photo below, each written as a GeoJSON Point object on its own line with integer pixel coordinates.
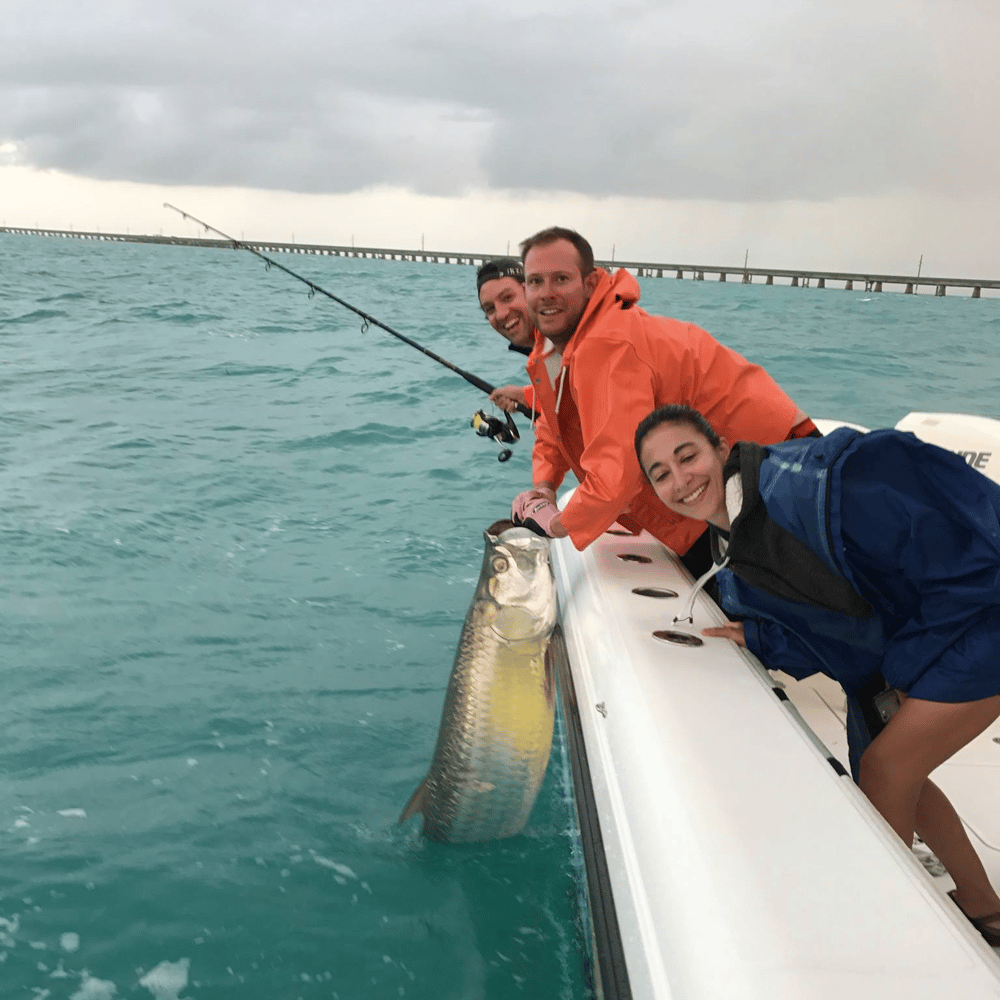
{"type": "Point", "coordinates": [367, 319]}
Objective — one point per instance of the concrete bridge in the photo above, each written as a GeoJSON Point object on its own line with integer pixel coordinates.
{"type": "Point", "coordinates": [803, 279]}
{"type": "Point", "coordinates": [910, 284]}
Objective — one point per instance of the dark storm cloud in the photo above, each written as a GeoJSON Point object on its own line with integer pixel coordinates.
{"type": "Point", "coordinates": [742, 102]}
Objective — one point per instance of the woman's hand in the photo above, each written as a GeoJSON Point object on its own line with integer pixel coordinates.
{"type": "Point", "coordinates": [731, 630]}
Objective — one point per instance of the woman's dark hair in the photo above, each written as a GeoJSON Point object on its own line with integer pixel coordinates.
{"type": "Point", "coordinates": [674, 414]}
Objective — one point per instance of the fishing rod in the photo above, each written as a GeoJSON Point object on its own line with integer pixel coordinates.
{"type": "Point", "coordinates": [368, 320]}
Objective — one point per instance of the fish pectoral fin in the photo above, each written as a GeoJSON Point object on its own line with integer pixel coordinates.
{"type": "Point", "coordinates": [415, 805]}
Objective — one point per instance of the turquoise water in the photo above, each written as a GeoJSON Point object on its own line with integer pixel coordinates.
{"type": "Point", "coordinates": [238, 539]}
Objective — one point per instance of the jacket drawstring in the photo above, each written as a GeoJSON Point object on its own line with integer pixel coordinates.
{"type": "Point", "coordinates": [734, 504]}
{"type": "Point", "coordinates": [688, 615]}
{"type": "Point", "coordinates": [562, 383]}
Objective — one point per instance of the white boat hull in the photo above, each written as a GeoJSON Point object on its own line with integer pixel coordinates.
{"type": "Point", "coordinates": [742, 863]}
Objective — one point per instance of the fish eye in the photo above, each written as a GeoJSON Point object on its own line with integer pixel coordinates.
{"type": "Point", "coordinates": [499, 564]}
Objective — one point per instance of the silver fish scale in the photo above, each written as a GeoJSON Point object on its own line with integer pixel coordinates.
{"type": "Point", "coordinates": [496, 727]}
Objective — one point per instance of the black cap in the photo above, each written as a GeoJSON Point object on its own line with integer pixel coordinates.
{"type": "Point", "coordinates": [501, 267]}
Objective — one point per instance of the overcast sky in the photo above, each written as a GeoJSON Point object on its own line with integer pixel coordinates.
{"type": "Point", "coordinates": [846, 136]}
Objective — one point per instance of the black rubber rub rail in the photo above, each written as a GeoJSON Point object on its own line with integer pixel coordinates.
{"type": "Point", "coordinates": [608, 950]}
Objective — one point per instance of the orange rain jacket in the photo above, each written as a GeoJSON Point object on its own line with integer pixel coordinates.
{"type": "Point", "coordinates": [619, 365]}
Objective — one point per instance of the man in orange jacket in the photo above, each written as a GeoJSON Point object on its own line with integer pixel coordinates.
{"type": "Point", "coordinates": [599, 365]}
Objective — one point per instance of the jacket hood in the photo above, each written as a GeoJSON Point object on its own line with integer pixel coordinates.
{"type": "Point", "coordinates": [623, 284]}
{"type": "Point", "coordinates": [764, 554]}
{"type": "Point", "coordinates": [619, 290]}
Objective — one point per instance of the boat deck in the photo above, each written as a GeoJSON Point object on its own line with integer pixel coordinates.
{"type": "Point", "coordinates": [973, 771]}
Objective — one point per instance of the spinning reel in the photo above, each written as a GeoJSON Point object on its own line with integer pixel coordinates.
{"type": "Point", "coordinates": [489, 426]}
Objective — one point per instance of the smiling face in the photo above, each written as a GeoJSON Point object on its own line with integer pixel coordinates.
{"type": "Point", "coordinates": [556, 291]}
{"type": "Point", "coordinates": [685, 470]}
{"type": "Point", "coordinates": [503, 305]}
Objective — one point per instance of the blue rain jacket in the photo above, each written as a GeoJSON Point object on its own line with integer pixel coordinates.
{"type": "Point", "coordinates": [857, 553]}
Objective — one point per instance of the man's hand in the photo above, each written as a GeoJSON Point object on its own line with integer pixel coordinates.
{"type": "Point", "coordinates": [731, 630]}
{"type": "Point", "coordinates": [533, 509]}
{"type": "Point", "coordinates": [508, 397]}
{"type": "Point", "coordinates": [545, 489]}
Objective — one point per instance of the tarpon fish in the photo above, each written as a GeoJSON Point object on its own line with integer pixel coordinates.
{"type": "Point", "coordinates": [496, 729]}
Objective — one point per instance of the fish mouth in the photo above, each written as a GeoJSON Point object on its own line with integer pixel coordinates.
{"type": "Point", "coordinates": [507, 531]}
{"type": "Point", "coordinates": [497, 528]}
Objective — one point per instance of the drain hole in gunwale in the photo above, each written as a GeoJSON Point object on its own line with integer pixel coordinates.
{"type": "Point", "coordinates": [679, 638]}
{"type": "Point", "coordinates": [654, 592]}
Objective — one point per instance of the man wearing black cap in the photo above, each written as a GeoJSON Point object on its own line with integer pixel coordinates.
{"type": "Point", "coordinates": [500, 284]}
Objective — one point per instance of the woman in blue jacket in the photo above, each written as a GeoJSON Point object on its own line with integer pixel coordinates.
{"type": "Point", "coordinates": [850, 555]}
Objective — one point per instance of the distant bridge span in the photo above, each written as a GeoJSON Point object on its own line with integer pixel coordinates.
{"type": "Point", "coordinates": [797, 278]}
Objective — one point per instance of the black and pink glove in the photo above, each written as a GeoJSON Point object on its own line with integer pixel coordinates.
{"type": "Point", "coordinates": [529, 510]}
